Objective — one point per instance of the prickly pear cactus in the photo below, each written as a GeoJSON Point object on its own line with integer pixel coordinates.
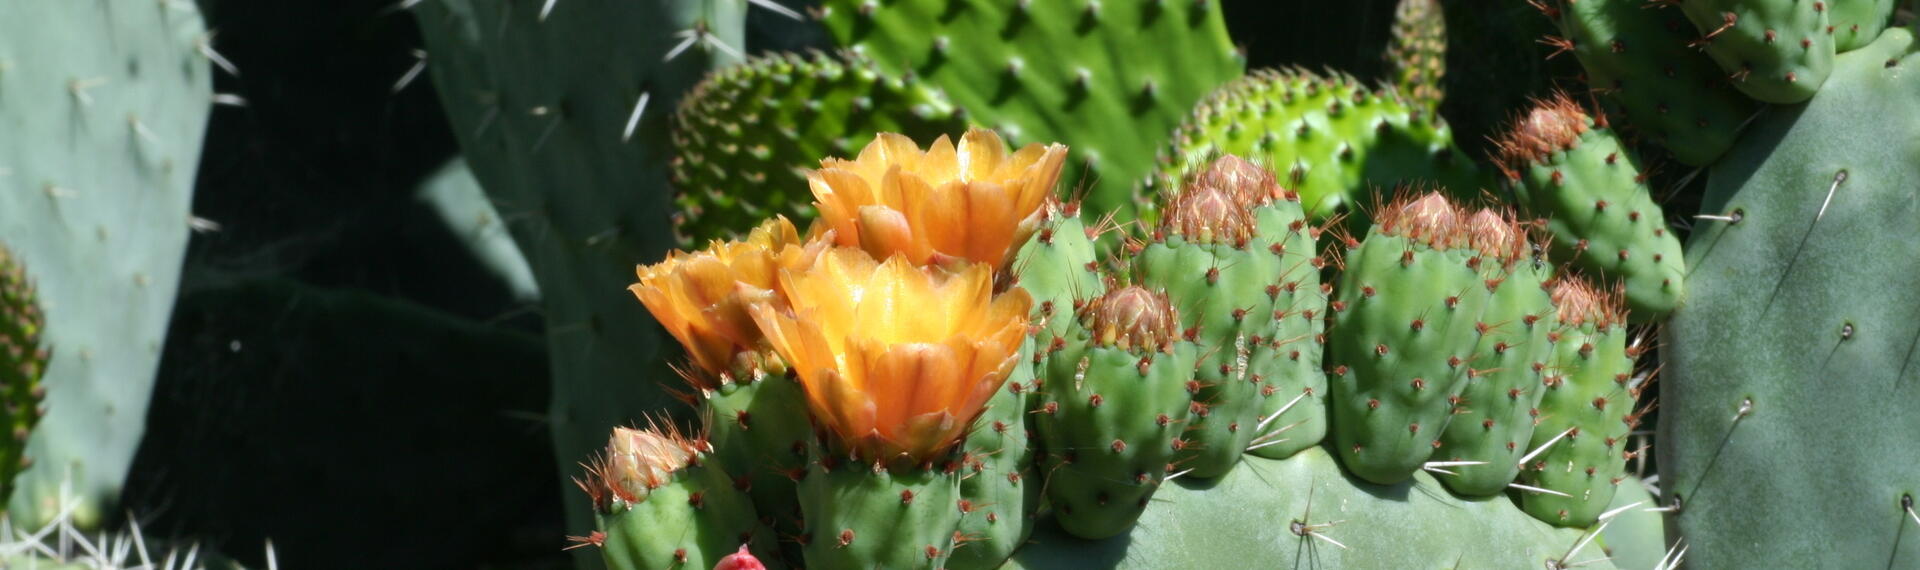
{"type": "Point", "coordinates": [1058, 266]}
{"type": "Point", "coordinates": [563, 115]}
{"type": "Point", "coordinates": [104, 105]}
{"type": "Point", "coordinates": [998, 494]}
{"type": "Point", "coordinates": [1417, 56]}
{"type": "Point", "coordinates": [742, 137]}
{"type": "Point", "coordinates": [1574, 172]}
{"type": "Point", "coordinates": [1330, 139]}
{"type": "Point", "coordinates": [1405, 325]}
{"type": "Point", "coordinates": [1856, 23]}
{"type": "Point", "coordinates": [1793, 361]}
{"type": "Point", "coordinates": [1580, 446]}
{"type": "Point", "coordinates": [1106, 77]}
{"type": "Point", "coordinates": [662, 505]}
{"type": "Point", "coordinates": [863, 516]}
{"type": "Point", "coordinates": [1638, 58]}
{"type": "Point", "coordinates": [22, 361]}
{"type": "Point", "coordinates": [1776, 51]}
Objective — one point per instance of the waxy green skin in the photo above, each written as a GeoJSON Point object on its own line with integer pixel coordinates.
{"type": "Point", "coordinates": [759, 431]}
{"type": "Point", "coordinates": [1057, 268]}
{"type": "Point", "coordinates": [1509, 361]}
{"type": "Point", "coordinates": [1775, 51]}
{"type": "Point", "coordinates": [1795, 350]}
{"type": "Point", "coordinates": [1105, 457]}
{"type": "Point", "coordinates": [1639, 62]}
{"type": "Point", "coordinates": [104, 107]}
{"type": "Point", "coordinates": [1605, 222]}
{"type": "Point", "coordinates": [1292, 382]}
{"type": "Point", "coordinates": [698, 515]}
{"type": "Point", "coordinates": [743, 138]}
{"type": "Point", "coordinates": [996, 483]}
{"type": "Point", "coordinates": [1420, 368]}
{"type": "Point", "coordinates": [1588, 399]}
{"type": "Point", "coordinates": [1109, 79]}
{"type": "Point", "coordinates": [1857, 23]}
{"type": "Point", "coordinates": [1331, 139]}
{"type": "Point", "coordinates": [871, 509]}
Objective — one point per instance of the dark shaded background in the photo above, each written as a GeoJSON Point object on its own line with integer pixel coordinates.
{"type": "Point", "coordinates": [341, 377]}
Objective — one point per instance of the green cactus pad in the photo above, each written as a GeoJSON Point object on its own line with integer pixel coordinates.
{"type": "Point", "coordinates": [1637, 59]}
{"type": "Point", "coordinates": [997, 497]}
{"type": "Point", "coordinates": [104, 106]}
{"type": "Point", "coordinates": [1576, 174]}
{"type": "Point", "coordinates": [1245, 520]}
{"type": "Point", "coordinates": [691, 521]}
{"type": "Point", "coordinates": [1405, 315]}
{"type": "Point", "coordinates": [859, 516]}
{"type": "Point", "coordinates": [759, 432]}
{"type": "Point", "coordinates": [1109, 78]}
{"type": "Point", "coordinates": [1493, 419]}
{"type": "Point", "coordinates": [22, 361]}
{"type": "Point", "coordinates": [1775, 51]}
{"type": "Point", "coordinates": [1792, 372]}
{"type": "Point", "coordinates": [1287, 365]}
{"type": "Point", "coordinates": [744, 135]}
{"type": "Point", "coordinates": [1585, 414]}
{"type": "Point", "coordinates": [1057, 267]}
{"type": "Point", "coordinates": [1330, 139]}
{"type": "Point", "coordinates": [1636, 537]}
{"type": "Point", "coordinates": [1417, 56]}
{"type": "Point", "coordinates": [1857, 22]}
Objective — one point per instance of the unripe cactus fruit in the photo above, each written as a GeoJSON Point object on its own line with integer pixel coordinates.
{"type": "Point", "coordinates": [1405, 325]}
{"type": "Point", "coordinates": [1417, 56]}
{"type": "Point", "coordinates": [1113, 409]}
{"type": "Point", "coordinates": [1586, 412]}
{"type": "Point", "coordinates": [1776, 51]}
{"type": "Point", "coordinates": [1574, 172]}
{"type": "Point", "coordinates": [660, 504]}
{"type": "Point", "coordinates": [22, 361]}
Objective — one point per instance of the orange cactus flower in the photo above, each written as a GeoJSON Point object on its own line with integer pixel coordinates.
{"type": "Point", "coordinates": [897, 360]}
{"type": "Point", "coordinates": [971, 202]}
{"type": "Point", "coordinates": [702, 297]}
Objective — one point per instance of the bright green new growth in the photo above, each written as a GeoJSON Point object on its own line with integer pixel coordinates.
{"type": "Point", "coordinates": [1493, 419]}
{"type": "Point", "coordinates": [759, 431]}
{"type": "Point", "coordinates": [1405, 325]}
{"type": "Point", "coordinates": [743, 137]}
{"type": "Point", "coordinates": [1330, 139]}
{"type": "Point", "coordinates": [659, 505]}
{"type": "Point", "coordinates": [1417, 58]}
{"type": "Point", "coordinates": [1112, 410]}
{"type": "Point", "coordinates": [22, 361]}
{"type": "Point", "coordinates": [559, 115]}
{"type": "Point", "coordinates": [998, 495]}
{"type": "Point", "coordinates": [865, 516]}
{"type": "Point", "coordinates": [1793, 364]}
{"type": "Point", "coordinates": [104, 106]}
{"type": "Point", "coordinates": [1776, 51]}
{"type": "Point", "coordinates": [1576, 174]}
{"type": "Point", "coordinates": [1585, 413]}
{"type": "Point", "coordinates": [1638, 60]}
{"type": "Point", "coordinates": [1057, 267]}
{"type": "Point", "coordinates": [1109, 78]}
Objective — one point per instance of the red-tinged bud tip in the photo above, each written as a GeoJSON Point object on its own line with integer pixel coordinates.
{"type": "Point", "coordinates": [1552, 125]}
{"type": "Point", "coordinates": [1132, 317]}
{"type": "Point", "coordinates": [740, 560]}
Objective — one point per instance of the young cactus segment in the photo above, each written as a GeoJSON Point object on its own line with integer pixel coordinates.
{"type": "Point", "coordinates": [997, 497]}
{"type": "Point", "coordinates": [22, 360]}
{"type": "Point", "coordinates": [1637, 57]}
{"type": "Point", "coordinates": [1417, 56]}
{"type": "Point", "coordinates": [1405, 324]}
{"type": "Point", "coordinates": [744, 136]}
{"type": "Point", "coordinates": [1776, 51]}
{"type": "Point", "coordinates": [865, 515]}
{"type": "Point", "coordinates": [1586, 412]}
{"type": "Point", "coordinates": [660, 504]}
{"type": "Point", "coordinates": [1493, 417]}
{"type": "Point", "coordinates": [1330, 139]}
{"type": "Point", "coordinates": [1113, 410]}
{"type": "Point", "coordinates": [1058, 266]}
{"type": "Point", "coordinates": [1855, 23]}
{"type": "Point", "coordinates": [759, 430]}
{"type": "Point", "coordinates": [1574, 172]}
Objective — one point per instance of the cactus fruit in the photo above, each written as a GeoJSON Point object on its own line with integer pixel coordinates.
{"type": "Point", "coordinates": [895, 392]}
{"type": "Point", "coordinates": [1417, 56]}
{"type": "Point", "coordinates": [1107, 77]}
{"type": "Point", "coordinates": [1580, 445]}
{"type": "Point", "coordinates": [22, 360]}
{"type": "Point", "coordinates": [1793, 361]}
{"type": "Point", "coordinates": [1577, 174]}
{"type": "Point", "coordinates": [1637, 57]}
{"type": "Point", "coordinates": [1405, 326]}
{"type": "Point", "coordinates": [661, 505]}
{"type": "Point", "coordinates": [1330, 139]}
{"type": "Point", "coordinates": [1855, 23]}
{"type": "Point", "coordinates": [744, 135]}
{"type": "Point", "coordinates": [998, 496]}
{"type": "Point", "coordinates": [1113, 409]}
{"type": "Point", "coordinates": [105, 107]}
{"type": "Point", "coordinates": [1493, 418]}
{"type": "Point", "coordinates": [1058, 266]}
{"type": "Point", "coordinates": [1775, 51]}
{"type": "Point", "coordinates": [971, 202]}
